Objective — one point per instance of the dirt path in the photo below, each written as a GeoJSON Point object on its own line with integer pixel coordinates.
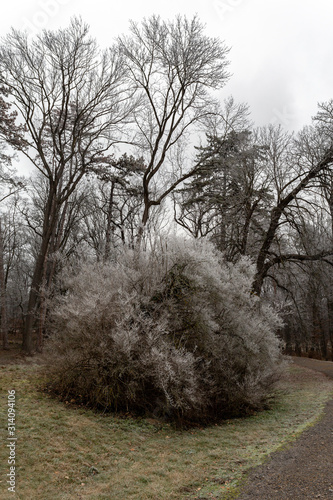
{"type": "Point", "coordinates": [314, 364]}
{"type": "Point", "coordinates": [305, 469]}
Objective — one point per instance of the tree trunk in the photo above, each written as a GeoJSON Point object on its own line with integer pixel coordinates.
{"type": "Point", "coordinates": [3, 294]}
{"type": "Point", "coordinates": [33, 301]}
{"type": "Point", "coordinates": [262, 265]}
{"type": "Point", "coordinates": [330, 323]}
{"type": "Point", "coordinates": [48, 274]}
{"type": "Point", "coordinates": [249, 211]}
{"type": "Point", "coordinates": [109, 226]}
{"type": "Point", "coordinates": [145, 215]}
{"type": "Point", "coordinates": [42, 311]}
{"type": "Point", "coordinates": [50, 221]}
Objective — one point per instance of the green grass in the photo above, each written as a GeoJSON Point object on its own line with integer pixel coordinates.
{"type": "Point", "coordinates": [65, 452]}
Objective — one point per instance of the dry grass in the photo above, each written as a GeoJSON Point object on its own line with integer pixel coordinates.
{"type": "Point", "coordinates": [65, 452]}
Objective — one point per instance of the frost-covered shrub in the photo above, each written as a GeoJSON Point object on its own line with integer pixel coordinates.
{"type": "Point", "coordinates": [175, 332]}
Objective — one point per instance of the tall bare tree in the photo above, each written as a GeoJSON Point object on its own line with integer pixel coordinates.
{"type": "Point", "coordinates": [73, 100]}
{"type": "Point", "coordinates": [172, 65]}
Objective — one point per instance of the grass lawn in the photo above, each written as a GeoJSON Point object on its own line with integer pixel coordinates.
{"type": "Point", "coordinates": [63, 452]}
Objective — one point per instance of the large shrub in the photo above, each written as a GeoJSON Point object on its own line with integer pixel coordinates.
{"type": "Point", "coordinates": [171, 332]}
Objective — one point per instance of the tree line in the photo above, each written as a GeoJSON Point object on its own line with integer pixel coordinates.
{"type": "Point", "coordinates": [132, 140]}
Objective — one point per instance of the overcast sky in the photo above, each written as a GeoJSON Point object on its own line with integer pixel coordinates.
{"type": "Point", "coordinates": [281, 50]}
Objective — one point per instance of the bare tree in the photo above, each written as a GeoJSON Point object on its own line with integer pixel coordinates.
{"type": "Point", "coordinates": [297, 165]}
{"type": "Point", "coordinates": [172, 65]}
{"type": "Point", "coordinates": [73, 100]}
{"type": "Point", "coordinates": [251, 196]}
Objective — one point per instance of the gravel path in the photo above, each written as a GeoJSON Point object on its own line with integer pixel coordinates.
{"type": "Point", "coordinates": [305, 469]}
